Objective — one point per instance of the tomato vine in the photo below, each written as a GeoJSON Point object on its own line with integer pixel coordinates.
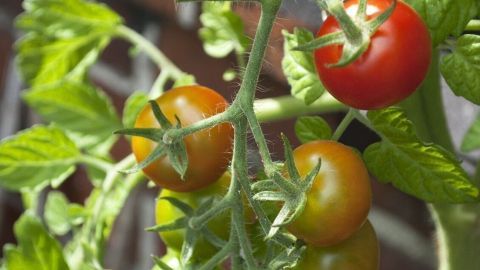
{"type": "Point", "coordinates": [415, 152]}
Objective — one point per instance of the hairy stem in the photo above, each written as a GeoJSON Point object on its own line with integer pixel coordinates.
{"type": "Point", "coordinates": [239, 162]}
{"type": "Point", "coordinates": [246, 94]}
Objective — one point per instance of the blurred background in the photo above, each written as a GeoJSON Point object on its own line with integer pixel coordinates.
{"type": "Point", "coordinates": [402, 222]}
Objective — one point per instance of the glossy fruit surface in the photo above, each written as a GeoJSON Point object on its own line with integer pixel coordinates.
{"type": "Point", "coordinates": [209, 150]}
{"type": "Point", "coordinates": [340, 197]}
{"type": "Point", "coordinates": [359, 252]}
{"type": "Point", "coordinates": [391, 69]}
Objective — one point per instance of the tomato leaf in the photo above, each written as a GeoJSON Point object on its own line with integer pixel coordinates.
{"type": "Point", "coordinates": [461, 68]}
{"type": "Point", "coordinates": [133, 106]}
{"type": "Point", "coordinates": [426, 171]}
{"type": "Point", "coordinates": [83, 110]}
{"type": "Point", "coordinates": [63, 38]}
{"type": "Point", "coordinates": [36, 157]}
{"type": "Point", "coordinates": [471, 141]}
{"type": "Point", "coordinates": [445, 17]}
{"type": "Point", "coordinates": [36, 249]}
{"type": "Point", "coordinates": [60, 215]}
{"type": "Point", "coordinates": [312, 128]}
{"type": "Point", "coordinates": [222, 31]}
{"type": "Point", "coordinates": [299, 68]}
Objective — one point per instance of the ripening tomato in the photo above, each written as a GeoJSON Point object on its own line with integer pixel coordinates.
{"type": "Point", "coordinates": [359, 252]}
{"type": "Point", "coordinates": [390, 70]}
{"type": "Point", "coordinates": [340, 197]}
{"type": "Point", "coordinates": [209, 151]}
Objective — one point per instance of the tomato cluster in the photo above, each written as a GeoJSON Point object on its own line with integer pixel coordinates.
{"type": "Point", "coordinates": [337, 203]}
{"type": "Point", "coordinates": [334, 222]}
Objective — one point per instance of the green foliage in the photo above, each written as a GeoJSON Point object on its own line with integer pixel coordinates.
{"type": "Point", "coordinates": [222, 31]}
{"type": "Point", "coordinates": [426, 171]}
{"type": "Point", "coordinates": [311, 128]}
{"type": "Point", "coordinates": [36, 248]}
{"type": "Point", "coordinates": [60, 215]}
{"type": "Point", "coordinates": [79, 108]}
{"type": "Point", "coordinates": [133, 106]}
{"type": "Point", "coordinates": [63, 38]}
{"type": "Point", "coordinates": [445, 17]}
{"type": "Point", "coordinates": [36, 157]}
{"type": "Point", "coordinates": [471, 141]}
{"type": "Point", "coordinates": [98, 216]}
{"type": "Point", "coordinates": [461, 68]}
{"type": "Point", "coordinates": [299, 68]}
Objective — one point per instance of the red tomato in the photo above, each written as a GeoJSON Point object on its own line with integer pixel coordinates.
{"type": "Point", "coordinates": [209, 150]}
{"type": "Point", "coordinates": [340, 198]}
{"type": "Point", "coordinates": [359, 252]}
{"type": "Point", "coordinates": [390, 70]}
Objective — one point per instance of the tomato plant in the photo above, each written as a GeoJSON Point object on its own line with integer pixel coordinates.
{"type": "Point", "coordinates": [340, 198]}
{"type": "Point", "coordinates": [369, 54]}
{"type": "Point", "coordinates": [209, 151]}
{"type": "Point", "coordinates": [391, 69]}
{"type": "Point", "coordinates": [359, 252]}
{"type": "Point", "coordinates": [166, 213]}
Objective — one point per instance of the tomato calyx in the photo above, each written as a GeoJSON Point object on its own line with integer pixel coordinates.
{"type": "Point", "coordinates": [291, 192]}
{"type": "Point", "coordinates": [174, 148]}
{"type": "Point", "coordinates": [355, 34]}
{"type": "Point", "coordinates": [191, 234]}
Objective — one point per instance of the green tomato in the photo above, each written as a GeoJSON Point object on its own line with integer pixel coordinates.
{"type": "Point", "coordinates": [359, 252]}
{"type": "Point", "coordinates": [167, 213]}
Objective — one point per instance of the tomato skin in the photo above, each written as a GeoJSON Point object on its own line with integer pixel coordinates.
{"type": "Point", "coordinates": [340, 197]}
{"type": "Point", "coordinates": [166, 213]}
{"type": "Point", "coordinates": [209, 150]}
{"type": "Point", "coordinates": [390, 70]}
{"type": "Point", "coordinates": [359, 252]}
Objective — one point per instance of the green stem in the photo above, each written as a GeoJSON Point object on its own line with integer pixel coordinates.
{"type": "Point", "coordinates": [458, 226]}
{"type": "Point", "coordinates": [217, 209]}
{"type": "Point", "coordinates": [286, 107]}
{"type": "Point", "coordinates": [246, 94]}
{"type": "Point", "coordinates": [150, 49]}
{"type": "Point", "coordinates": [343, 125]}
{"type": "Point", "coordinates": [240, 60]}
{"type": "Point", "coordinates": [158, 85]}
{"type": "Point", "coordinates": [96, 162]}
{"type": "Point", "coordinates": [174, 134]}
{"type": "Point", "coordinates": [239, 161]}
{"type": "Point", "coordinates": [219, 257]}
{"type": "Point", "coordinates": [425, 109]}
{"type": "Point", "coordinates": [336, 9]}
